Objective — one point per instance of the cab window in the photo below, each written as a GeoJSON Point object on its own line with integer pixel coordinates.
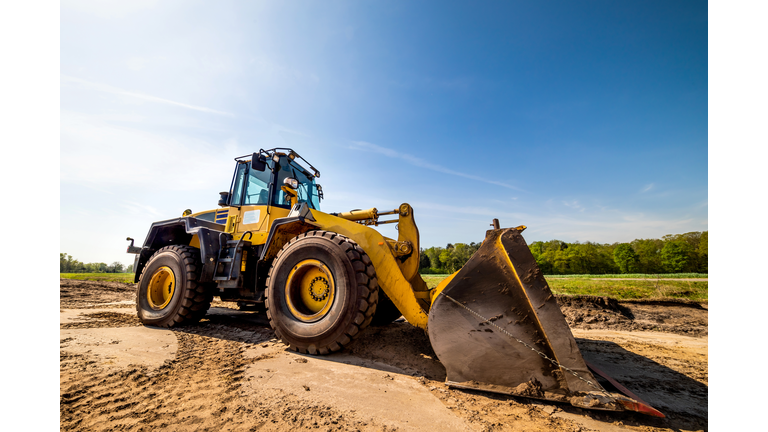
{"type": "Point", "coordinates": [257, 192]}
{"type": "Point", "coordinates": [235, 195]}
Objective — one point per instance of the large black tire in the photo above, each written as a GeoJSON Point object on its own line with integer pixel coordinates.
{"type": "Point", "coordinates": [185, 302]}
{"type": "Point", "coordinates": [386, 311]}
{"type": "Point", "coordinates": [346, 298]}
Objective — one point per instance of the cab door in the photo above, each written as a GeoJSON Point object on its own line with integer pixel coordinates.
{"type": "Point", "coordinates": [249, 209]}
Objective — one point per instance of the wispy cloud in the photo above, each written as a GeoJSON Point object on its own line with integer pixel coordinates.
{"type": "Point", "coordinates": [109, 9]}
{"type": "Point", "coordinates": [574, 205]}
{"type": "Point", "coordinates": [114, 90]}
{"type": "Point", "coordinates": [452, 210]}
{"type": "Point", "coordinates": [605, 225]}
{"type": "Point", "coordinates": [269, 69]}
{"type": "Point", "coordinates": [137, 63]}
{"type": "Point", "coordinates": [138, 208]}
{"type": "Point", "coordinates": [647, 188]}
{"type": "Point", "coordinates": [572, 222]}
{"type": "Point", "coordinates": [282, 129]}
{"type": "Point", "coordinates": [92, 156]}
{"type": "Point", "coordinates": [413, 160]}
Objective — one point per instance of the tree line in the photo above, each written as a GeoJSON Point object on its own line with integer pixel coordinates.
{"type": "Point", "coordinates": [673, 253]}
{"type": "Point", "coordinates": [67, 264]}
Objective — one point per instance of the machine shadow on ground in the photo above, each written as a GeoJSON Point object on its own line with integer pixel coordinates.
{"type": "Point", "coordinates": [682, 399]}
{"type": "Point", "coordinates": [396, 348]}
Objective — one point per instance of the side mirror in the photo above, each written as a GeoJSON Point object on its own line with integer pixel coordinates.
{"type": "Point", "coordinates": [258, 162]}
{"type": "Point", "coordinates": [224, 199]}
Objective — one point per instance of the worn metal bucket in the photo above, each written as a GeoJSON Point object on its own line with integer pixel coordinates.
{"type": "Point", "coordinates": [496, 326]}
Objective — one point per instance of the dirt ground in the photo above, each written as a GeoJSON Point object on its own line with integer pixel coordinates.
{"type": "Point", "coordinates": [230, 373]}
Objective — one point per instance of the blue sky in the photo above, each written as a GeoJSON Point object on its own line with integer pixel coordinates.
{"type": "Point", "coordinates": [585, 121]}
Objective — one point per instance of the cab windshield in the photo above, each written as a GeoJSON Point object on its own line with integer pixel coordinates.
{"type": "Point", "coordinates": [307, 190]}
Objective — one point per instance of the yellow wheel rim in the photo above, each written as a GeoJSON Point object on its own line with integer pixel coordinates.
{"type": "Point", "coordinates": [161, 287]}
{"type": "Point", "coordinates": [310, 290]}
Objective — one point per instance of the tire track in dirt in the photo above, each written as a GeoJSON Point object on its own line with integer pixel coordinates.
{"type": "Point", "coordinates": [103, 319]}
{"type": "Point", "coordinates": [190, 391]}
{"type": "Point", "coordinates": [201, 389]}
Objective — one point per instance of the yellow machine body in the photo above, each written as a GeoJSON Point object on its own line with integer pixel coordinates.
{"type": "Point", "coordinates": [399, 279]}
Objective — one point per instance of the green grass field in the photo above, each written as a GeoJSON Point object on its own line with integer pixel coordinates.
{"type": "Point", "coordinates": [633, 276]}
{"type": "Point", "coordinates": [110, 277]}
{"type": "Point", "coordinates": [633, 289]}
{"type": "Point", "coordinates": [648, 288]}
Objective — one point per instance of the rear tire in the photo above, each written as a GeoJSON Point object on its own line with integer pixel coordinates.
{"type": "Point", "coordinates": [321, 293]}
{"type": "Point", "coordinates": [169, 292]}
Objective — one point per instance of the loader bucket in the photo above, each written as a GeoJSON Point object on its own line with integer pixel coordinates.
{"type": "Point", "coordinates": [496, 326]}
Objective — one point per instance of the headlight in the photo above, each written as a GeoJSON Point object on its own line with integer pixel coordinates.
{"type": "Point", "coordinates": [291, 182]}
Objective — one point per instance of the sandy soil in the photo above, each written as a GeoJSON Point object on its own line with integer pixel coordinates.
{"type": "Point", "coordinates": [230, 373]}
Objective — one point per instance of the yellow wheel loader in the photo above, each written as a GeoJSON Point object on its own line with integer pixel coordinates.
{"type": "Point", "coordinates": [324, 277]}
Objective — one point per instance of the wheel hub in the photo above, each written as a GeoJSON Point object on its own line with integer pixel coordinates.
{"type": "Point", "coordinates": [319, 289]}
{"type": "Point", "coordinates": [161, 288]}
{"type": "Point", "coordinates": [309, 290]}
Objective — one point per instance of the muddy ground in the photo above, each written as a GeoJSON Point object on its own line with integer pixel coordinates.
{"type": "Point", "coordinates": [229, 373]}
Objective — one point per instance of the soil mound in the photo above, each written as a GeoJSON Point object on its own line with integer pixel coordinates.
{"type": "Point", "coordinates": [604, 313]}
{"type": "Point", "coordinates": [79, 294]}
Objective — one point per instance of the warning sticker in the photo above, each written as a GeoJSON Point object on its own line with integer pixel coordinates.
{"type": "Point", "coordinates": [251, 217]}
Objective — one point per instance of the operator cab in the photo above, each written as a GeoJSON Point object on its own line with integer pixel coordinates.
{"type": "Point", "coordinates": [259, 181]}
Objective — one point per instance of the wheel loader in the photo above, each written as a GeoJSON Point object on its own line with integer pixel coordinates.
{"type": "Point", "coordinates": [322, 278]}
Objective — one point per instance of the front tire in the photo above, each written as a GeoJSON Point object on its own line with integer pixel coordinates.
{"type": "Point", "coordinates": [169, 292]}
{"type": "Point", "coordinates": [322, 292]}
